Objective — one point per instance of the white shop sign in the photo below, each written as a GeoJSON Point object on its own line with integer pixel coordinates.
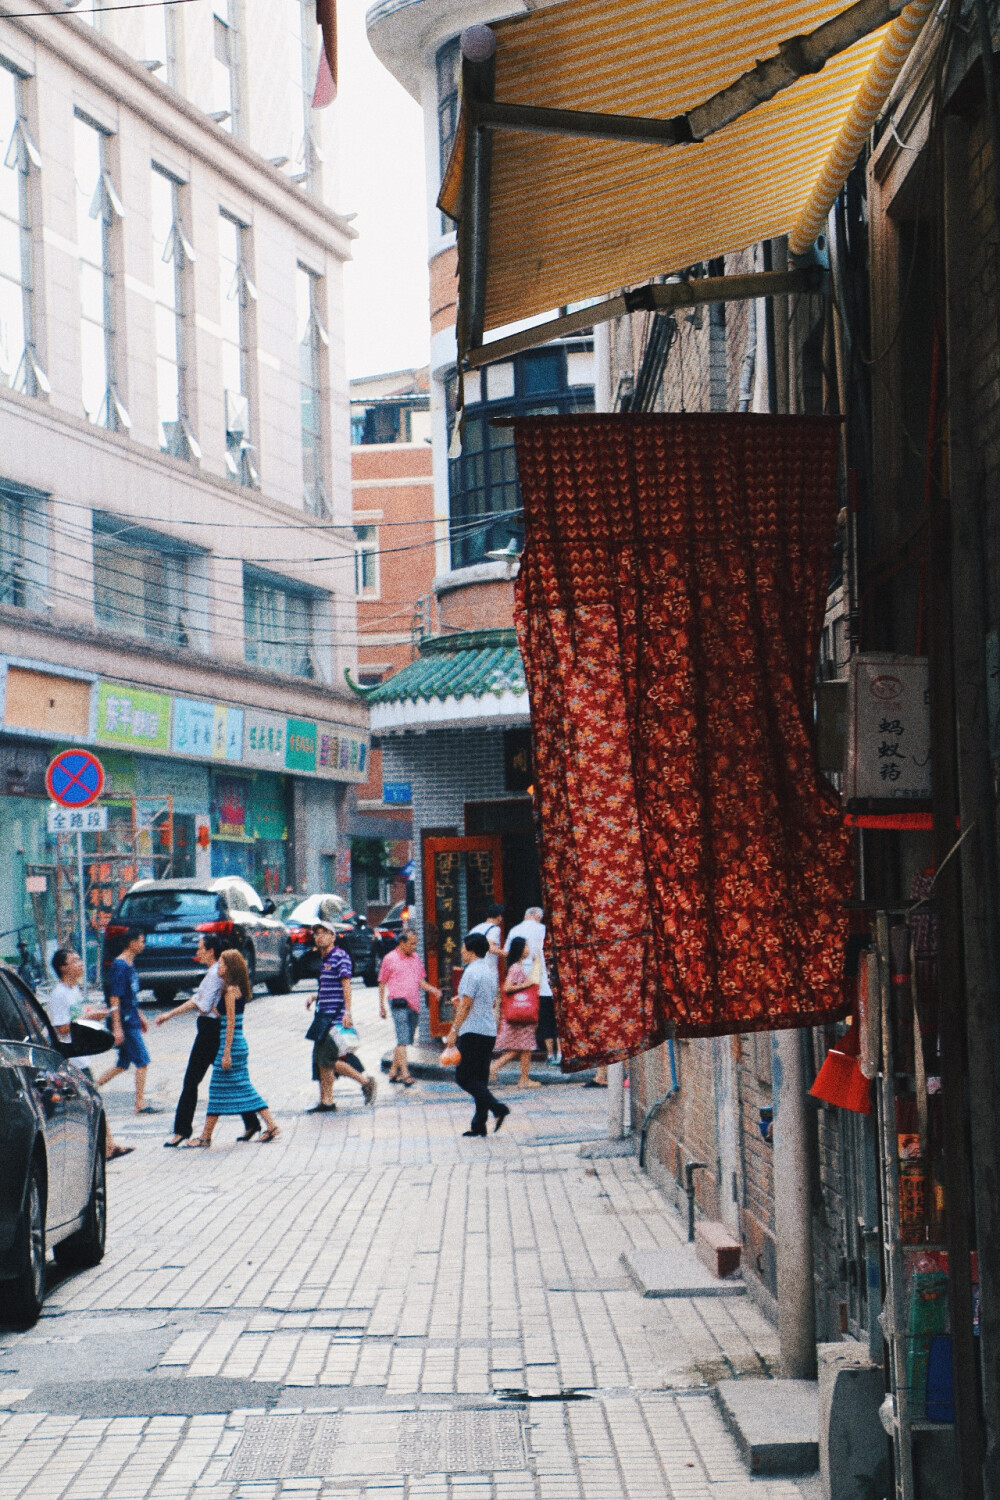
{"type": "Point", "coordinates": [888, 728]}
{"type": "Point", "coordinates": [92, 819]}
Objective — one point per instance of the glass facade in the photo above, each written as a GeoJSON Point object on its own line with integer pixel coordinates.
{"type": "Point", "coordinates": [18, 364]}
{"type": "Point", "coordinates": [225, 70]}
{"type": "Point", "coordinates": [172, 252]}
{"type": "Point", "coordinates": [312, 338]}
{"type": "Point", "coordinates": [139, 589]}
{"type": "Point", "coordinates": [238, 294]}
{"type": "Point", "coordinates": [97, 208]}
{"type": "Point", "coordinates": [366, 581]}
{"type": "Point", "coordinates": [484, 497]}
{"type": "Point", "coordinates": [449, 72]}
{"type": "Point", "coordinates": [277, 625]}
{"type": "Point", "coordinates": [23, 562]}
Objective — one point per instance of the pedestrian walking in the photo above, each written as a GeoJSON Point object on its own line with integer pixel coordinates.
{"type": "Point", "coordinates": [532, 929]}
{"type": "Point", "coordinates": [206, 1000]}
{"type": "Point", "coordinates": [492, 931]}
{"type": "Point", "coordinates": [333, 1009]}
{"type": "Point", "coordinates": [230, 1091]}
{"type": "Point", "coordinates": [474, 1032]}
{"type": "Point", "coordinates": [401, 977]}
{"type": "Point", "coordinates": [128, 1024]}
{"type": "Point", "coordinates": [64, 1005]}
{"type": "Point", "coordinates": [516, 1038]}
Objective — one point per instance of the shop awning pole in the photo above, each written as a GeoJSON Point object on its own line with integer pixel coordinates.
{"type": "Point", "coordinates": [660, 297]}
{"type": "Point", "coordinates": [879, 82]}
{"type": "Point", "coordinates": [478, 73]}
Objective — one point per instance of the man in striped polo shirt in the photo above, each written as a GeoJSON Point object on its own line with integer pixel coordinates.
{"type": "Point", "coordinates": [333, 1004]}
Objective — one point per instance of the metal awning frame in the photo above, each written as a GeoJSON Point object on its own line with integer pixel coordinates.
{"type": "Point", "coordinates": [657, 297]}
{"type": "Point", "coordinates": [484, 115]}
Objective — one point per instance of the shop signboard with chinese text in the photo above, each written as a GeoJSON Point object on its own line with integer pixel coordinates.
{"type": "Point", "coordinates": [264, 740]}
{"type": "Point", "coordinates": [207, 729]}
{"type": "Point", "coordinates": [132, 717]}
{"type": "Point", "coordinates": [300, 745]}
{"type": "Point", "coordinates": [888, 729]}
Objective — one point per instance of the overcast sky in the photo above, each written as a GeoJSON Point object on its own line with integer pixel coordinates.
{"type": "Point", "coordinates": [382, 181]}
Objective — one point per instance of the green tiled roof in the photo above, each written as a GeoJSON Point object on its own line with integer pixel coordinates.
{"type": "Point", "coordinates": [473, 663]}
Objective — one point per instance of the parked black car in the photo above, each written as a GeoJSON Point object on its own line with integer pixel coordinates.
{"type": "Point", "coordinates": [354, 935]}
{"type": "Point", "coordinates": [52, 1129]}
{"type": "Point", "coordinates": [174, 913]}
{"type": "Point", "coordinates": [387, 931]}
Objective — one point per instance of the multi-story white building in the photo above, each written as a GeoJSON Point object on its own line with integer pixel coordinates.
{"type": "Point", "coordinates": [176, 547]}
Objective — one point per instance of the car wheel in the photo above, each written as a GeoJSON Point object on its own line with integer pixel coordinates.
{"type": "Point", "coordinates": [21, 1299]}
{"type": "Point", "coordinates": [86, 1247]}
{"type": "Point", "coordinates": [164, 996]}
{"type": "Point", "coordinates": [285, 977]}
{"type": "Point", "coordinates": [370, 976]}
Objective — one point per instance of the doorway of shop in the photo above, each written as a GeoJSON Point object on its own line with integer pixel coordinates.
{"type": "Point", "coordinates": [512, 820]}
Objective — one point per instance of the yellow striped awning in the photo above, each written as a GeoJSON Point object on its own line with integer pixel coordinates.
{"type": "Point", "coordinates": [574, 218]}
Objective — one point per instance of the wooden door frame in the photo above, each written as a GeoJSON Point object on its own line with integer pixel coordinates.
{"type": "Point", "coordinates": [455, 844]}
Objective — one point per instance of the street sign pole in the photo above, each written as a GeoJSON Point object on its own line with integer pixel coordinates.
{"type": "Point", "coordinates": [83, 910]}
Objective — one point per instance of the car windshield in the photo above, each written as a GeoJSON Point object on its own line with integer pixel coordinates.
{"type": "Point", "coordinates": [157, 906]}
{"type": "Point", "coordinates": [395, 913]}
{"type": "Point", "coordinates": [333, 908]}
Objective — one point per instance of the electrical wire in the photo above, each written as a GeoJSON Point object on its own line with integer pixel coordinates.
{"type": "Point", "coordinates": [293, 523]}
{"type": "Point", "coordinates": [93, 10]}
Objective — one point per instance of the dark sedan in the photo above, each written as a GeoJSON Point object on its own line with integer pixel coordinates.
{"type": "Point", "coordinates": [52, 1129]}
{"type": "Point", "coordinates": [354, 935]}
{"type": "Point", "coordinates": [173, 914]}
{"type": "Point", "coordinates": [387, 931]}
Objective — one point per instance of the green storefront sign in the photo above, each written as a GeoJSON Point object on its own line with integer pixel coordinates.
{"type": "Point", "coordinates": [132, 717]}
{"type": "Point", "coordinates": [300, 745]}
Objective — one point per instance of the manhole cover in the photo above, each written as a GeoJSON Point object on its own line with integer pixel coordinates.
{"type": "Point", "coordinates": [353, 1443]}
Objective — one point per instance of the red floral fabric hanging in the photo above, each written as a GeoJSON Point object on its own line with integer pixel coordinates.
{"type": "Point", "coordinates": [669, 606]}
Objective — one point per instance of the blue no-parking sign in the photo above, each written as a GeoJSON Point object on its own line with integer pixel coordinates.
{"type": "Point", "coordinates": [75, 778]}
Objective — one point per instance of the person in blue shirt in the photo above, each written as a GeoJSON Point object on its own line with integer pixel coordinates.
{"type": "Point", "coordinates": [127, 1021]}
{"type": "Point", "coordinates": [333, 1004]}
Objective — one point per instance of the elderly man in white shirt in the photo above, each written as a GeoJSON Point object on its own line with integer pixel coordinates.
{"type": "Point", "coordinates": [532, 929]}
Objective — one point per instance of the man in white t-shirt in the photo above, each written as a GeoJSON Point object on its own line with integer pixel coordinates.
{"type": "Point", "coordinates": [532, 929]}
{"type": "Point", "coordinates": [493, 933]}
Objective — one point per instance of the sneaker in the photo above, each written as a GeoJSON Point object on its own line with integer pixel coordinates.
{"type": "Point", "coordinates": [369, 1088]}
{"type": "Point", "coordinates": [554, 1060]}
{"type": "Point", "coordinates": [322, 1109]}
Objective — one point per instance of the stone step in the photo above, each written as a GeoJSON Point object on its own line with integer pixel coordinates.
{"type": "Point", "coordinates": [775, 1423]}
{"type": "Point", "coordinates": [717, 1248]}
{"type": "Point", "coordinates": [677, 1272]}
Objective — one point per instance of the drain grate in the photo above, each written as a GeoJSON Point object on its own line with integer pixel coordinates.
{"type": "Point", "coordinates": [347, 1444]}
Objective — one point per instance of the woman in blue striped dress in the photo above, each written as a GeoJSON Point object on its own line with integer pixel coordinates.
{"type": "Point", "coordinates": [230, 1091]}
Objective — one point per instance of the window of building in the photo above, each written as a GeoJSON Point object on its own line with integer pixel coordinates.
{"type": "Point", "coordinates": [158, 41]}
{"type": "Point", "coordinates": [225, 109]}
{"type": "Point", "coordinates": [366, 581]}
{"type": "Point", "coordinates": [19, 365]}
{"type": "Point", "coordinates": [23, 547]}
{"type": "Point", "coordinates": [172, 255]}
{"type": "Point", "coordinates": [449, 73]}
{"type": "Point", "coordinates": [143, 584]}
{"type": "Point", "coordinates": [238, 296]}
{"type": "Point", "coordinates": [313, 338]}
{"type": "Point", "coordinates": [278, 625]}
{"type": "Point", "coordinates": [98, 210]}
{"type": "Point", "coordinates": [482, 481]}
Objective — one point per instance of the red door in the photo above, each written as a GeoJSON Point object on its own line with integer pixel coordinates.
{"type": "Point", "coordinates": [463, 877]}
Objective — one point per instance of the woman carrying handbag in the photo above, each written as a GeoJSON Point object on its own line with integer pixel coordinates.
{"type": "Point", "coordinates": [518, 1015]}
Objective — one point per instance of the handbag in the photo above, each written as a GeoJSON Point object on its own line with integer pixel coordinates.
{"type": "Point", "coordinates": [318, 1027]}
{"type": "Point", "coordinates": [520, 1007]}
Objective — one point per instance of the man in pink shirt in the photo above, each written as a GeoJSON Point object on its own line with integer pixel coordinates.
{"type": "Point", "coordinates": [400, 979]}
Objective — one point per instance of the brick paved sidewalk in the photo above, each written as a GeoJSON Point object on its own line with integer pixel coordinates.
{"type": "Point", "coordinates": [374, 1306]}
